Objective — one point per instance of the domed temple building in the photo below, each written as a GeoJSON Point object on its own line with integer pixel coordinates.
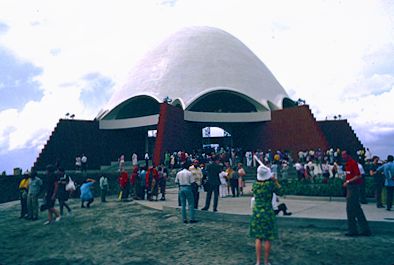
{"type": "Point", "coordinates": [197, 78]}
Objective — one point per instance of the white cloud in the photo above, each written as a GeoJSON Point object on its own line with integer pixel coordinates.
{"type": "Point", "coordinates": [7, 118]}
{"type": "Point", "coordinates": [31, 125]}
{"type": "Point", "coordinates": [318, 50]}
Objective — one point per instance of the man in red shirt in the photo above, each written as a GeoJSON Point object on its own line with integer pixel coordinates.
{"type": "Point", "coordinates": [124, 184]}
{"type": "Point", "coordinates": [353, 209]}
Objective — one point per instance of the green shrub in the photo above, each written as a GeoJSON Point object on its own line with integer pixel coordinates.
{"type": "Point", "coordinates": [318, 188]}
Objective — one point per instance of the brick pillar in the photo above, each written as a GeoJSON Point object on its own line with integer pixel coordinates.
{"type": "Point", "coordinates": [171, 131]}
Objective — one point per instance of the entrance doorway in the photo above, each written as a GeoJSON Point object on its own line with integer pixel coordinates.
{"type": "Point", "coordinates": [216, 137]}
{"type": "Point", "coordinates": [150, 141]}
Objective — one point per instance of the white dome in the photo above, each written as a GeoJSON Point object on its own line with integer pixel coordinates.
{"type": "Point", "coordinates": [198, 60]}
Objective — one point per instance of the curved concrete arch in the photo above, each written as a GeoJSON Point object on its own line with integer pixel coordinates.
{"type": "Point", "coordinates": [178, 102]}
{"type": "Point", "coordinates": [288, 103]}
{"type": "Point", "coordinates": [200, 96]}
{"type": "Point", "coordinates": [116, 112]}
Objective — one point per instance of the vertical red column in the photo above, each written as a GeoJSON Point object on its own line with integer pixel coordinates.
{"type": "Point", "coordinates": [157, 152]}
{"type": "Point", "coordinates": [171, 132]}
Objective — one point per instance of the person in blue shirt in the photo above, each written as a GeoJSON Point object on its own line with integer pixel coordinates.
{"type": "Point", "coordinates": [142, 183]}
{"type": "Point", "coordinates": [388, 170]}
{"type": "Point", "coordinates": [86, 193]}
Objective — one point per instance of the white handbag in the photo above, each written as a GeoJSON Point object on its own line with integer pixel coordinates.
{"type": "Point", "coordinates": [70, 185]}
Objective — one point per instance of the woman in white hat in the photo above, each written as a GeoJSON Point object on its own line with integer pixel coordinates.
{"type": "Point", "coordinates": [263, 223]}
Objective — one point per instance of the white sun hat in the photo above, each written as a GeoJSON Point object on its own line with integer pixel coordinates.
{"type": "Point", "coordinates": [263, 173]}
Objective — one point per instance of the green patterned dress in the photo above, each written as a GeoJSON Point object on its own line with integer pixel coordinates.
{"type": "Point", "coordinates": [263, 221]}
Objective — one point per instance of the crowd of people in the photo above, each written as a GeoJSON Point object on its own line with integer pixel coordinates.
{"type": "Point", "coordinates": [59, 186]}
{"type": "Point", "coordinates": [309, 164]}
{"type": "Point", "coordinates": [144, 183]}
{"type": "Point", "coordinates": [218, 173]}
{"type": "Point", "coordinates": [263, 224]}
{"type": "Point", "coordinates": [147, 182]}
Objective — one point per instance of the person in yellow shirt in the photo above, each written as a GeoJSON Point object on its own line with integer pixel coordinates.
{"type": "Point", "coordinates": [23, 190]}
{"type": "Point", "coordinates": [197, 175]}
{"type": "Point", "coordinates": [229, 172]}
{"type": "Point", "coordinates": [241, 176]}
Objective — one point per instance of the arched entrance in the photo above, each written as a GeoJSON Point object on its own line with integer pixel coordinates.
{"type": "Point", "coordinates": [215, 137]}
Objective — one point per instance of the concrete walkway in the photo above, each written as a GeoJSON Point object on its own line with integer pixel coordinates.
{"type": "Point", "coordinates": [321, 212]}
{"type": "Point", "coordinates": [306, 211]}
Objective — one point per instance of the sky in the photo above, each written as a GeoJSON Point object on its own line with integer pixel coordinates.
{"type": "Point", "coordinates": [59, 57]}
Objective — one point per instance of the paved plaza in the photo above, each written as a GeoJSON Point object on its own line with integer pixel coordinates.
{"type": "Point", "coordinates": [323, 212]}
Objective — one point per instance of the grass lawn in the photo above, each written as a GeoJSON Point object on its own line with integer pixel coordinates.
{"type": "Point", "coordinates": [129, 234]}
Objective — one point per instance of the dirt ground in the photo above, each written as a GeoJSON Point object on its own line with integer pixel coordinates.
{"type": "Point", "coordinates": [126, 233]}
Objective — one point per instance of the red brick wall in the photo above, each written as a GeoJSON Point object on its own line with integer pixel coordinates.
{"type": "Point", "coordinates": [292, 129]}
{"type": "Point", "coordinates": [75, 137]}
{"type": "Point", "coordinates": [340, 135]}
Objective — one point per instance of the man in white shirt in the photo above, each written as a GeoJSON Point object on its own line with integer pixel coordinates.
{"type": "Point", "coordinates": [184, 179]}
{"type": "Point", "coordinates": [134, 159]}
{"type": "Point", "coordinates": [146, 157]}
{"type": "Point", "coordinates": [300, 170]}
{"type": "Point", "coordinates": [248, 156]}
{"type": "Point", "coordinates": [103, 187]}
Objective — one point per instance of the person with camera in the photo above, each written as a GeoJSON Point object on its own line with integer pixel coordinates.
{"type": "Point", "coordinates": [263, 220]}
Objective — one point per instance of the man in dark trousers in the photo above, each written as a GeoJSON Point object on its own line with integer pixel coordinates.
{"type": "Point", "coordinates": [353, 208]}
{"type": "Point", "coordinates": [213, 171]}
{"type": "Point", "coordinates": [378, 178]}
{"type": "Point", "coordinates": [52, 191]}
{"type": "Point", "coordinates": [388, 170]}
